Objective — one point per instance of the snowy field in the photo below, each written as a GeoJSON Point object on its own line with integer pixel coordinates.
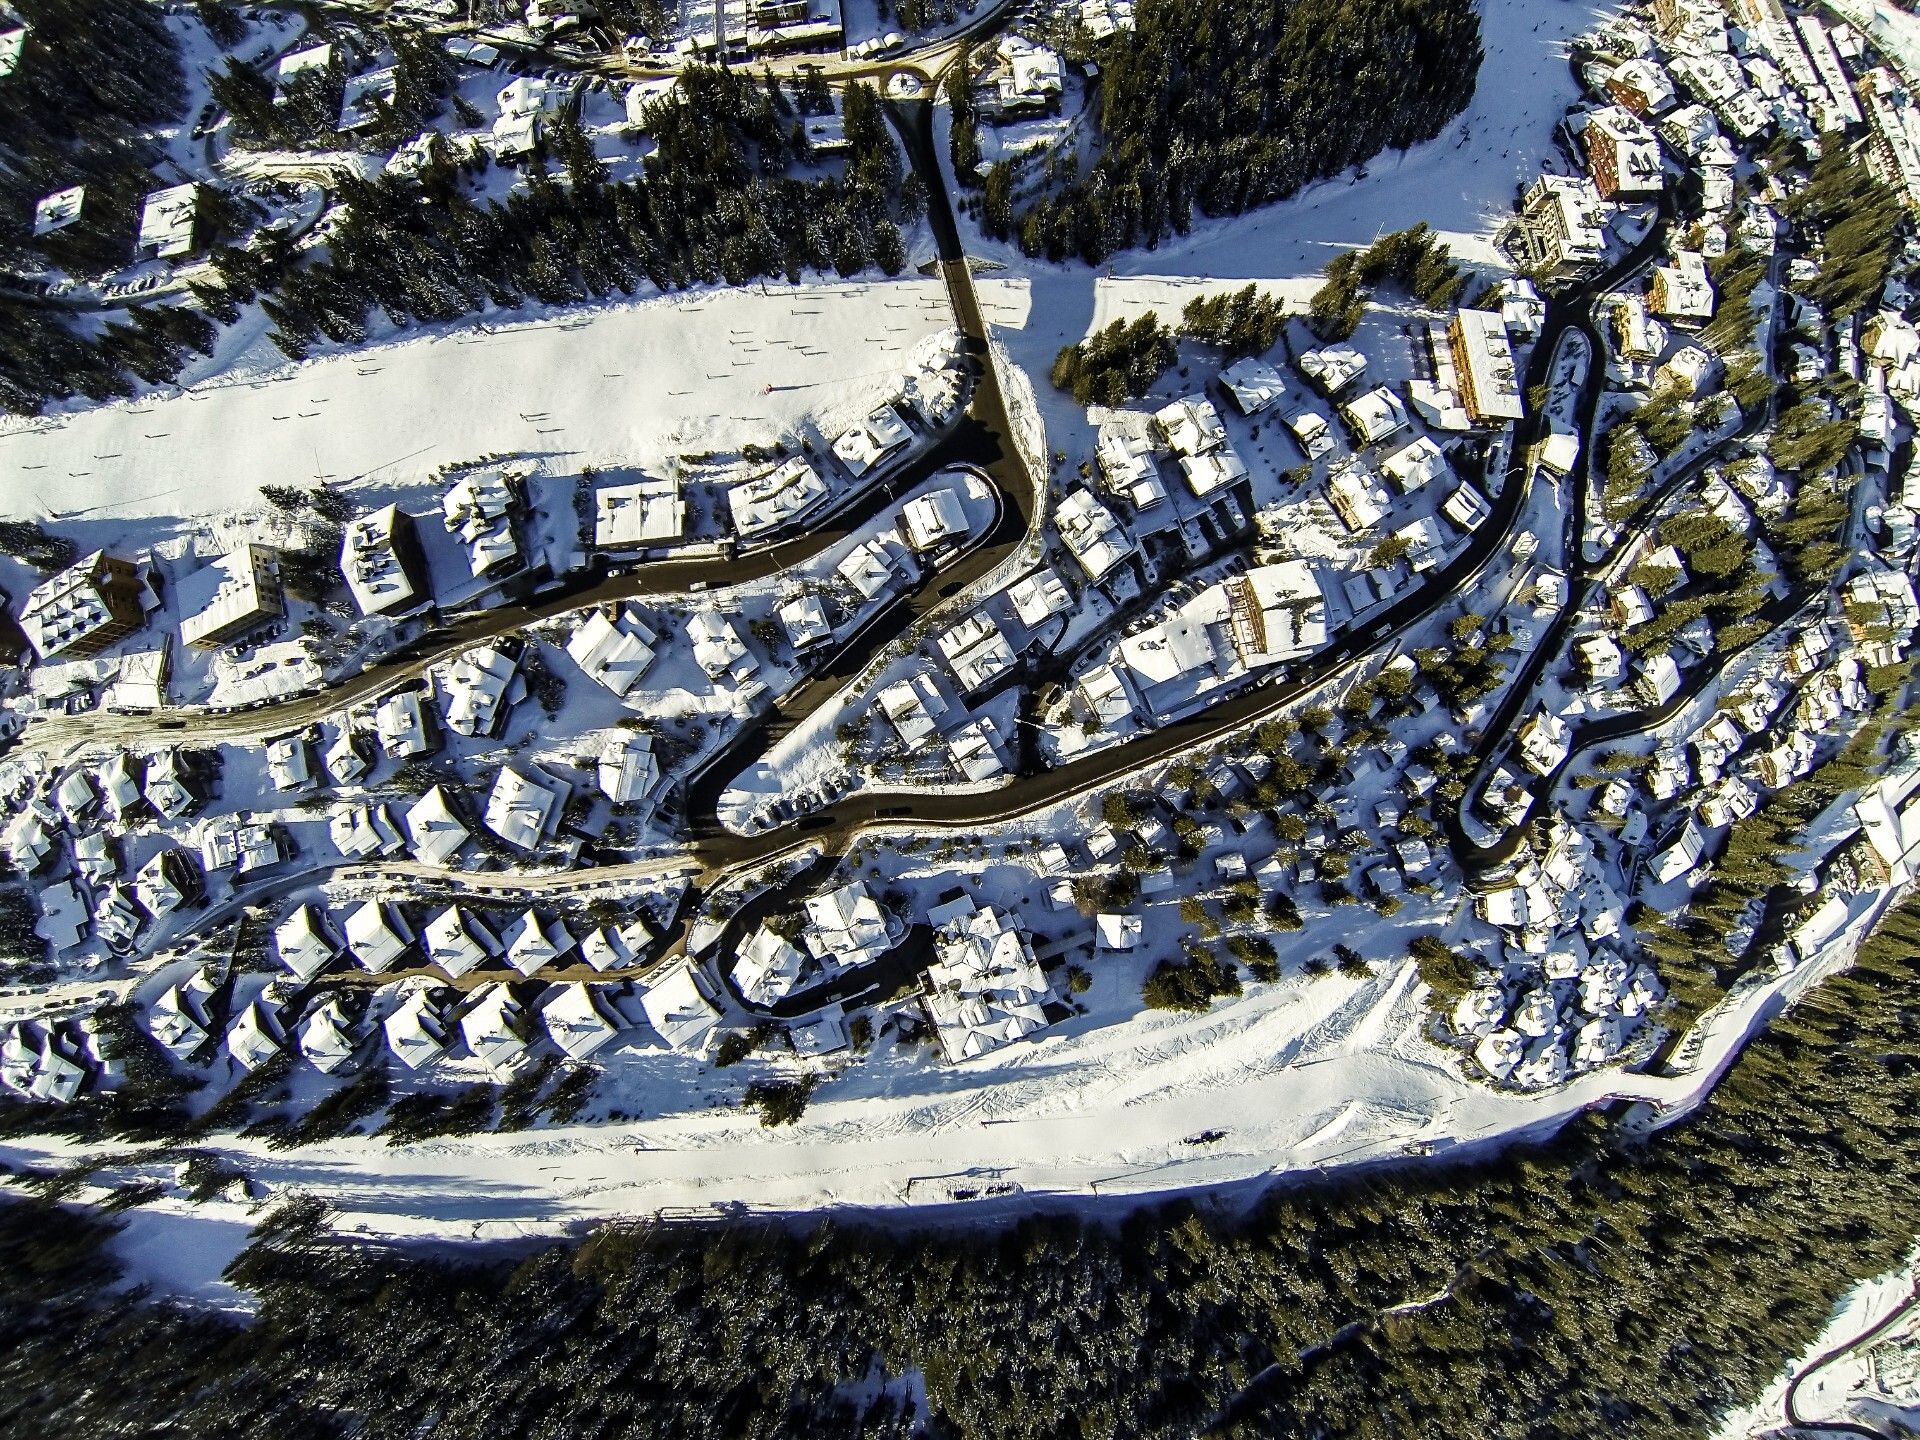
{"type": "Point", "coordinates": [1293, 1078]}
{"type": "Point", "coordinates": [621, 384]}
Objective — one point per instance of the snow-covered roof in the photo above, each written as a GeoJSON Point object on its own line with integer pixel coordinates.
{"type": "Point", "coordinates": [1191, 425]}
{"type": "Point", "coordinates": [477, 688]}
{"type": "Point", "coordinates": [488, 1027]}
{"type": "Point", "coordinates": [379, 560]}
{"type": "Point", "coordinates": [779, 497]}
{"type": "Point", "coordinates": [256, 1036]}
{"type": "Point", "coordinates": [914, 705]}
{"type": "Point", "coordinates": [168, 220]}
{"type": "Point", "coordinates": [768, 967]}
{"type": "Point", "coordinates": [1091, 533]}
{"type": "Point", "coordinates": [977, 651]}
{"type": "Point", "coordinates": [55, 212]}
{"type": "Point", "coordinates": [718, 647]}
{"type": "Point", "coordinates": [933, 519]}
{"type": "Point", "coordinates": [415, 1032]}
{"type": "Point", "coordinates": [648, 511]}
{"type": "Point", "coordinates": [376, 940]}
{"type": "Point", "coordinates": [1416, 464]}
{"type": "Point", "coordinates": [628, 769]}
{"type": "Point", "coordinates": [326, 1039]}
{"type": "Point", "coordinates": [401, 725]}
{"type": "Point", "coordinates": [434, 832]}
{"type": "Point", "coordinates": [984, 988]}
{"type": "Point", "coordinates": [303, 943]}
{"type": "Point", "coordinates": [1375, 415]}
{"type": "Point", "coordinates": [1039, 597]}
{"type": "Point", "coordinates": [871, 441]}
{"type": "Point", "coordinates": [1253, 384]}
{"type": "Point", "coordinates": [523, 809]}
{"type": "Point", "coordinates": [1128, 467]}
{"type": "Point", "coordinates": [575, 1021]}
{"type": "Point", "coordinates": [533, 941]}
{"type": "Point", "coordinates": [805, 619]}
{"type": "Point", "coordinates": [676, 1009]}
{"type": "Point", "coordinates": [456, 941]}
{"type": "Point", "coordinates": [613, 653]}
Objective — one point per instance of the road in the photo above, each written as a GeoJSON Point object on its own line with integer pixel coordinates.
{"type": "Point", "coordinates": [1584, 583]}
{"type": "Point", "coordinates": [1790, 1402]}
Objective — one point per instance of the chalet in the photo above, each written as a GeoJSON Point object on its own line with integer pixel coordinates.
{"type": "Point", "coordinates": [434, 833]}
{"type": "Point", "coordinates": [870, 567]}
{"type": "Point", "coordinates": [576, 1021]}
{"type": "Point", "coordinates": [479, 509]}
{"type": "Point", "coordinates": [344, 759]}
{"type": "Point", "coordinates": [458, 942]}
{"type": "Point", "coordinates": [1333, 368]}
{"type": "Point", "coordinates": [325, 1037]}
{"type": "Point", "coordinates": [491, 1028]}
{"type": "Point", "coordinates": [984, 988]}
{"type": "Point", "coordinates": [804, 619]}
{"type": "Point", "coordinates": [477, 689]}
{"type": "Point", "coordinates": [289, 763]}
{"type": "Point", "coordinates": [257, 1035]}
{"type": "Point", "coordinates": [1375, 416]}
{"type": "Point", "coordinates": [718, 647]}
{"type": "Point", "coordinates": [377, 937]}
{"type": "Point", "coordinates": [676, 1009]}
{"type": "Point", "coordinates": [1252, 385]}
{"type": "Point", "coordinates": [913, 706]}
{"type": "Point", "coordinates": [401, 726]}
{"type": "Point", "coordinates": [865, 445]}
{"type": "Point", "coordinates": [769, 968]}
{"type": "Point", "coordinates": [1091, 534]}
{"type": "Point", "coordinates": [525, 810]}
{"type": "Point", "coordinates": [1128, 467]}
{"type": "Point", "coordinates": [1019, 79]}
{"type": "Point", "coordinates": [416, 1030]}
{"type": "Point", "coordinates": [628, 769]}
{"type": "Point", "coordinates": [977, 651]}
{"type": "Point", "coordinates": [1039, 597]}
{"type": "Point", "coordinates": [781, 497]}
{"type": "Point", "coordinates": [534, 941]}
{"type": "Point", "coordinates": [931, 520]}
{"type": "Point", "coordinates": [613, 651]}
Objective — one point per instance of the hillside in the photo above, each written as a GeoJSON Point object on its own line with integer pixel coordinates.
{"type": "Point", "coordinates": [1221, 107]}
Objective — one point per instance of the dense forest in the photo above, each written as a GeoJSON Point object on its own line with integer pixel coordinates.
{"type": "Point", "coordinates": [1613, 1283]}
{"type": "Point", "coordinates": [92, 76]}
{"type": "Point", "coordinates": [1226, 106]}
{"type": "Point", "coordinates": [715, 203]}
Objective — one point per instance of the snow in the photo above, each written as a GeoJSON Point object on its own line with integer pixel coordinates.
{"type": "Point", "coordinates": [605, 386]}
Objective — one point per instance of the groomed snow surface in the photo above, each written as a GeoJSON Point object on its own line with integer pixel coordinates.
{"type": "Point", "coordinates": [621, 384]}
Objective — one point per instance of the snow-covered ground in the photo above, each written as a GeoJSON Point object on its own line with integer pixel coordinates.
{"type": "Point", "coordinates": [1834, 1391]}
{"type": "Point", "coordinates": [612, 385]}
{"type": "Point", "coordinates": [1294, 1077]}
